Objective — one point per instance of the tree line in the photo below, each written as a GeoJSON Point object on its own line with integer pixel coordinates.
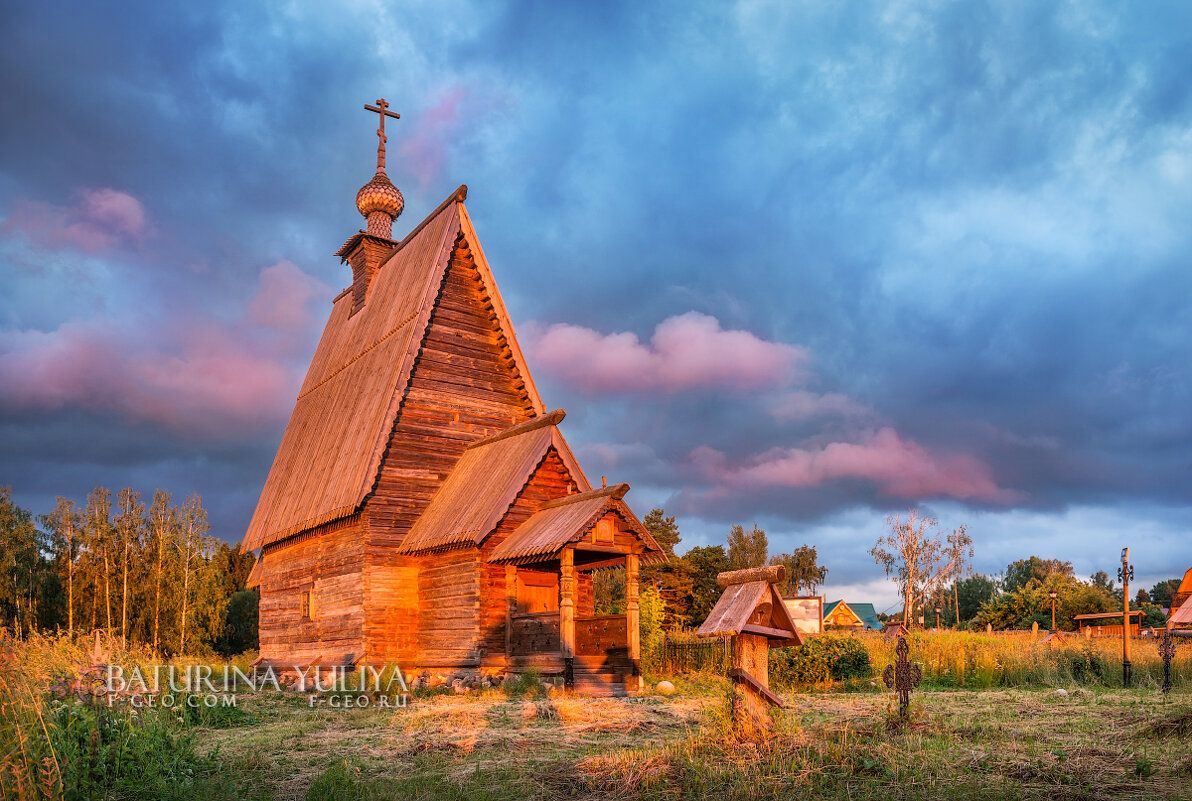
{"type": "Point", "coordinates": [149, 574]}
{"type": "Point", "coordinates": [684, 588]}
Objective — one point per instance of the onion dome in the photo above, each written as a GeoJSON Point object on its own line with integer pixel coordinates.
{"type": "Point", "coordinates": [380, 202]}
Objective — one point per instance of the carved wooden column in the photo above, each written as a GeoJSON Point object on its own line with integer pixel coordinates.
{"type": "Point", "coordinates": [567, 603]}
{"type": "Point", "coordinates": [633, 620]}
{"type": "Point", "coordinates": [510, 609]}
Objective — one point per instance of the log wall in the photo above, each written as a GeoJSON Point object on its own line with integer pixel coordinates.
{"type": "Point", "coordinates": [326, 564]}
{"type": "Point", "coordinates": [464, 386]}
{"type": "Point", "coordinates": [449, 610]}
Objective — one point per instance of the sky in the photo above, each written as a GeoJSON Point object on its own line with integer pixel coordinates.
{"type": "Point", "coordinates": [801, 264]}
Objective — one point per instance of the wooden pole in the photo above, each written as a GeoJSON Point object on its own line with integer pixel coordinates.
{"type": "Point", "coordinates": [750, 657]}
{"type": "Point", "coordinates": [1126, 617]}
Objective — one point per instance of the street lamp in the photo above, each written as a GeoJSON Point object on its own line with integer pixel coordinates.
{"type": "Point", "coordinates": [1125, 573]}
{"type": "Point", "coordinates": [1052, 594]}
{"type": "Point", "coordinates": [937, 618]}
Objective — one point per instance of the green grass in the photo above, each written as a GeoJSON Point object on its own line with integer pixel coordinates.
{"type": "Point", "coordinates": [834, 741]}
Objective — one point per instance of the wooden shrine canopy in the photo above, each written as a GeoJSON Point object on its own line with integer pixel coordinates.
{"type": "Point", "coordinates": [751, 604]}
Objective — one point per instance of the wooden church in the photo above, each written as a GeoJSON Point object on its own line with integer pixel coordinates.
{"type": "Point", "coordinates": [423, 508]}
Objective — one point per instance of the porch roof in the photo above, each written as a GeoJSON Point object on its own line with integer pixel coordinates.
{"type": "Point", "coordinates": [563, 521]}
{"type": "Point", "coordinates": [485, 482]}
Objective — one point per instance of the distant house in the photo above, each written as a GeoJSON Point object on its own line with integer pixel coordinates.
{"type": "Point", "coordinates": [855, 616]}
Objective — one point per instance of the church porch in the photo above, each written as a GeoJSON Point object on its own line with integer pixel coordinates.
{"type": "Point", "coordinates": [551, 625]}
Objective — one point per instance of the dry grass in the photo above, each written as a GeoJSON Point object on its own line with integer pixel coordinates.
{"type": "Point", "coordinates": [1094, 744]}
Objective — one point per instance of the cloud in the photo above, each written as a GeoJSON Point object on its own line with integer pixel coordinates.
{"type": "Point", "coordinates": [191, 374]}
{"type": "Point", "coordinates": [799, 404]}
{"type": "Point", "coordinates": [99, 220]}
{"type": "Point", "coordinates": [689, 351]}
{"type": "Point", "coordinates": [900, 468]}
{"type": "Point", "coordinates": [424, 152]}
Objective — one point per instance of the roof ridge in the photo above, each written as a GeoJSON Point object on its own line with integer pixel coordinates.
{"type": "Point", "coordinates": [458, 196]}
{"type": "Point", "coordinates": [533, 424]}
{"type": "Point", "coordinates": [616, 491]}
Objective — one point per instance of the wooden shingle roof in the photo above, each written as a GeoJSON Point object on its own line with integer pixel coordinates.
{"type": "Point", "coordinates": [331, 452]}
{"type": "Point", "coordinates": [486, 481]}
{"type": "Point", "coordinates": [560, 522]}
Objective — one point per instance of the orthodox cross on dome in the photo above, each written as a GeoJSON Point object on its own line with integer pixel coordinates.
{"type": "Point", "coordinates": [379, 201]}
{"type": "Point", "coordinates": [382, 108]}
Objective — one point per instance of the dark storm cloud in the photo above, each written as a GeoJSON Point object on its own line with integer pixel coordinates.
{"type": "Point", "coordinates": [969, 220]}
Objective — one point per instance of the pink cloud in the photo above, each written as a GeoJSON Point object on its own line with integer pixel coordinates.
{"type": "Point", "coordinates": [283, 298]}
{"type": "Point", "coordinates": [423, 152]}
{"type": "Point", "coordinates": [803, 405]}
{"type": "Point", "coordinates": [99, 220]}
{"type": "Point", "coordinates": [686, 352]}
{"type": "Point", "coordinates": [191, 374]}
{"type": "Point", "coordinates": [899, 467]}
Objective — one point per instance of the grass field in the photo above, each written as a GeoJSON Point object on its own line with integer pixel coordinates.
{"type": "Point", "coordinates": [836, 742]}
{"type": "Point", "coordinates": [960, 744]}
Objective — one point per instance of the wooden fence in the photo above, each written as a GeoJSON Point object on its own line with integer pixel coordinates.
{"type": "Point", "coordinates": [686, 655]}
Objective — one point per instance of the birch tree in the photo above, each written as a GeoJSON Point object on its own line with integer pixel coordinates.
{"type": "Point", "coordinates": [163, 519]}
{"type": "Point", "coordinates": [914, 552]}
{"type": "Point", "coordinates": [958, 550]}
{"type": "Point", "coordinates": [129, 525]}
{"type": "Point", "coordinates": [65, 524]}
{"type": "Point", "coordinates": [99, 539]}
{"type": "Point", "coordinates": [193, 545]}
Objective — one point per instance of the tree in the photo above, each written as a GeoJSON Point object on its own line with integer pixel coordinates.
{"type": "Point", "coordinates": [608, 591]}
{"type": "Point", "coordinates": [239, 561]}
{"type": "Point", "coordinates": [1022, 571]}
{"type": "Point", "coordinates": [971, 593]}
{"type": "Point", "coordinates": [1163, 592]}
{"type": "Point", "coordinates": [672, 578]}
{"type": "Point", "coordinates": [1101, 581]}
{"type": "Point", "coordinates": [915, 553]}
{"type": "Point", "coordinates": [747, 549]}
{"type": "Point", "coordinates": [192, 545]}
{"type": "Point", "coordinates": [98, 528]}
{"type": "Point", "coordinates": [803, 572]}
{"type": "Point", "coordinates": [1030, 603]}
{"type": "Point", "coordinates": [65, 524]}
{"type": "Point", "coordinates": [707, 562]}
{"type": "Point", "coordinates": [240, 631]}
{"type": "Point", "coordinates": [21, 558]}
{"type": "Point", "coordinates": [163, 523]}
{"type": "Point", "coordinates": [958, 551]}
{"type": "Point", "coordinates": [130, 523]}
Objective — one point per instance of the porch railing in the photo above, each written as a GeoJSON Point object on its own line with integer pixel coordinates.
{"type": "Point", "coordinates": [534, 633]}
{"type": "Point", "coordinates": [601, 636]}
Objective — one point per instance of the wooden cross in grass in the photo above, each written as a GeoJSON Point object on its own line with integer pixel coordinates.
{"type": "Point", "coordinates": [902, 677]}
{"type": "Point", "coordinates": [1167, 652]}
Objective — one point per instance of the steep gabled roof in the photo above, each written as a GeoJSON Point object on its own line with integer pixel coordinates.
{"type": "Point", "coordinates": [331, 452]}
{"type": "Point", "coordinates": [565, 520]}
{"type": "Point", "coordinates": [486, 481]}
